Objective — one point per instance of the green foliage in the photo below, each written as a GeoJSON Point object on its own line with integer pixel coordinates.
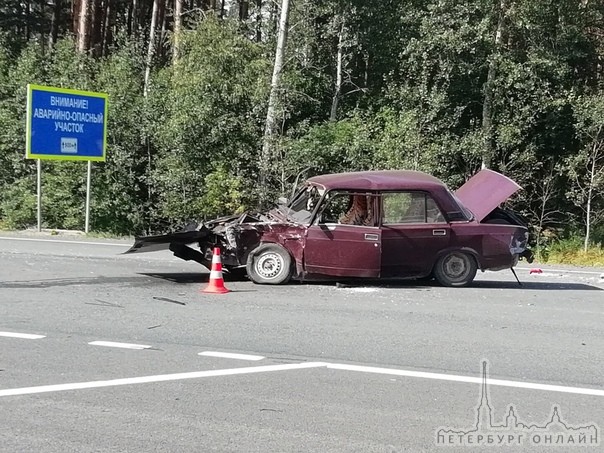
{"type": "Point", "coordinates": [330, 147]}
{"type": "Point", "coordinates": [225, 194]}
{"type": "Point", "coordinates": [120, 199]}
{"type": "Point", "coordinates": [207, 119]}
{"type": "Point", "coordinates": [18, 205]}
{"type": "Point", "coordinates": [63, 194]}
{"type": "Point", "coordinates": [401, 144]}
{"type": "Point", "coordinates": [586, 167]}
{"type": "Point", "coordinates": [15, 172]}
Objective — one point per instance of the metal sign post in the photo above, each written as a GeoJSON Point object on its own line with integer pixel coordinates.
{"type": "Point", "coordinates": [39, 192]}
{"type": "Point", "coordinates": [88, 178]}
{"type": "Point", "coordinates": [65, 124]}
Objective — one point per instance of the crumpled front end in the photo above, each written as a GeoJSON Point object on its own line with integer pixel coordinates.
{"type": "Point", "coordinates": [235, 235]}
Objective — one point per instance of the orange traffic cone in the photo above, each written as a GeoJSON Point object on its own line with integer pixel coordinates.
{"type": "Point", "coordinates": [216, 284]}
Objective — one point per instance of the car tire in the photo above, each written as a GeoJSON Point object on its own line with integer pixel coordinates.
{"type": "Point", "coordinates": [269, 264]}
{"type": "Point", "coordinates": [455, 269]}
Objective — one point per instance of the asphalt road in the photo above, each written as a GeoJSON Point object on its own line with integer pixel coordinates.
{"type": "Point", "coordinates": [361, 367]}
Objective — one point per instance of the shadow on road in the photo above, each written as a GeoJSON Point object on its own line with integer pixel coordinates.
{"type": "Point", "coordinates": [421, 285]}
{"type": "Point", "coordinates": [56, 282]}
{"type": "Point", "coordinates": [179, 277]}
{"type": "Point", "coordinates": [549, 286]}
{"type": "Point", "coordinates": [477, 284]}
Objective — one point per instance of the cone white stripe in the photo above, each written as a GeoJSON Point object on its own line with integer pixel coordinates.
{"type": "Point", "coordinates": [215, 275]}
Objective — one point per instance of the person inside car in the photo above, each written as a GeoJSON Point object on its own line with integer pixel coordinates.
{"type": "Point", "coordinates": [359, 212]}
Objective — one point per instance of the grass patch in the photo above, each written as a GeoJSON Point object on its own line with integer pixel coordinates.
{"type": "Point", "coordinates": [570, 251]}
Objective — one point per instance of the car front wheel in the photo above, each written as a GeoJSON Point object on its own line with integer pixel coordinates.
{"type": "Point", "coordinates": [269, 264]}
{"type": "Point", "coordinates": [455, 269]}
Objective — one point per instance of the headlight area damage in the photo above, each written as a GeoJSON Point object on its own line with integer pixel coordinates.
{"type": "Point", "coordinates": [235, 235]}
{"type": "Point", "coordinates": [372, 224]}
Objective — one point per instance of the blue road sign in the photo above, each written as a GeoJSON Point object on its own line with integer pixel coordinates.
{"type": "Point", "coordinates": [65, 124]}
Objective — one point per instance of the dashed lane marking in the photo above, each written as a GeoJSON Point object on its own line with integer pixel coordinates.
{"type": "Point", "coordinates": [228, 355]}
{"type": "Point", "coordinates": [112, 344]}
{"type": "Point", "coordinates": [26, 336]}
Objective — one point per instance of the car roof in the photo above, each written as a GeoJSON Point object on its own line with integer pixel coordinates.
{"type": "Point", "coordinates": [378, 180]}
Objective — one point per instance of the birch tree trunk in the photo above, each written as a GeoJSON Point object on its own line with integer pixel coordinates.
{"type": "Point", "coordinates": [487, 108]}
{"type": "Point", "coordinates": [134, 19]}
{"type": "Point", "coordinates": [177, 29]}
{"type": "Point", "coordinates": [338, 85]}
{"type": "Point", "coordinates": [83, 35]}
{"type": "Point", "coordinates": [590, 192]}
{"type": "Point", "coordinates": [588, 207]}
{"type": "Point", "coordinates": [162, 19]}
{"type": "Point", "coordinates": [271, 126]}
{"type": "Point", "coordinates": [151, 48]}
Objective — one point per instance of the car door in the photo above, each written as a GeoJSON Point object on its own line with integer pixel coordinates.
{"type": "Point", "coordinates": [414, 231]}
{"type": "Point", "coordinates": [342, 242]}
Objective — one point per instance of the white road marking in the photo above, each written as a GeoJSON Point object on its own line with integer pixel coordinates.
{"type": "Point", "coordinates": [228, 355]}
{"type": "Point", "coordinates": [27, 336]}
{"type": "Point", "coordinates": [473, 380]}
{"type": "Point", "coordinates": [157, 378]}
{"type": "Point", "coordinates": [112, 344]}
{"type": "Point", "coordinates": [297, 366]}
{"type": "Point", "coordinates": [63, 242]}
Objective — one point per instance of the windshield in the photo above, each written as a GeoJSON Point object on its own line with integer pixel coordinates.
{"type": "Point", "coordinates": [302, 205]}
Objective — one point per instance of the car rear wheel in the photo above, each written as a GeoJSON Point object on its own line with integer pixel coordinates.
{"type": "Point", "coordinates": [269, 264]}
{"type": "Point", "coordinates": [455, 269]}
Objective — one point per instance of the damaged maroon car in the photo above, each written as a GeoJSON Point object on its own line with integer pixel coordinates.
{"type": "Point", "coordinates": [371, 224]}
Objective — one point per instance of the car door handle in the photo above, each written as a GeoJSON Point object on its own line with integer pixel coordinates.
{"type": "Point", "coordinates": [371, 237]}
{"type": "Point", "coordinates": [439, 232]}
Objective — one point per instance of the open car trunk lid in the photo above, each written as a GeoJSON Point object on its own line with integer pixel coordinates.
{"type": "Point", "coordinates": [485, 191]}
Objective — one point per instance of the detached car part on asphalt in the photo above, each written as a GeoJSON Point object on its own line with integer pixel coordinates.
{"type": "Point", "coordinates": [372, 224]}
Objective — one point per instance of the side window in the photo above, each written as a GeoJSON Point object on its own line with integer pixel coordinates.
{"type": "Point", "coordinates": [348, 208]}
{"type": "Point", "coordinates": [410, 207]}
{"type": "Point", "coordinates": [433, 214]}
{"type": "Point", "coordinates": [396, 206]}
